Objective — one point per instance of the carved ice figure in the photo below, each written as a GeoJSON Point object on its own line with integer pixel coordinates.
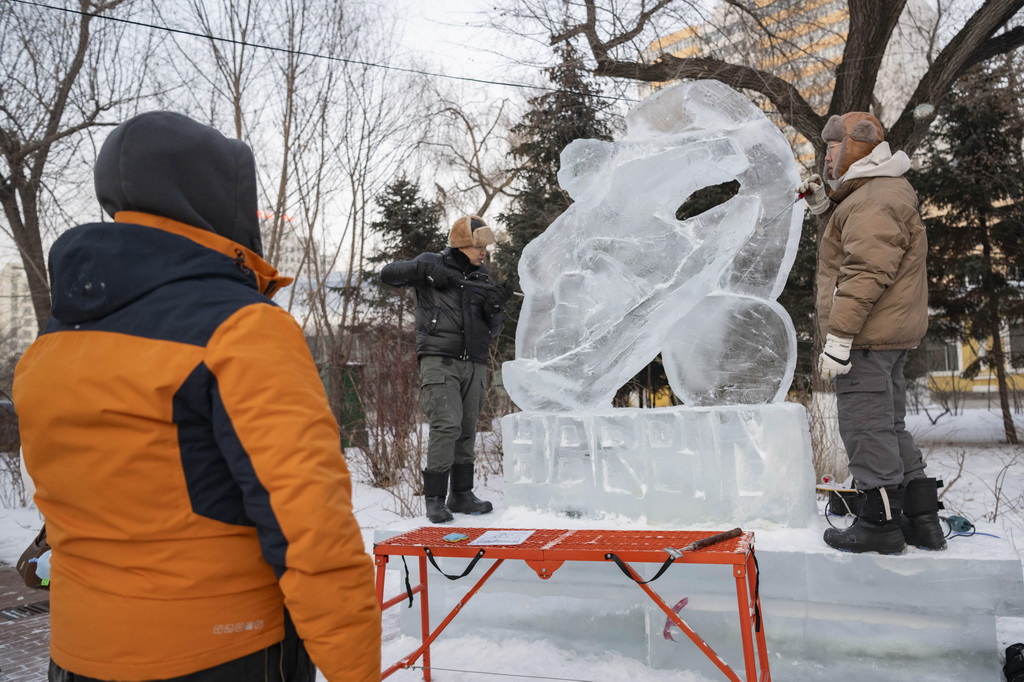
{"type": "Point", "coordinates": [617, 278]}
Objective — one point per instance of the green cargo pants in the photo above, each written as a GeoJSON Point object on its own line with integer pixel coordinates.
{"type": "Point", "coordinates": [451, 395]}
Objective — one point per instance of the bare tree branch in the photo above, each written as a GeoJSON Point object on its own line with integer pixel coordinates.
{"type": "Point", "coordinates": [786, 98]}
{"type": "Point", "coordinates": [50, 93]}
{"type": "Point", "coordinates": [871, 27]}
{"type": "Point", "coordinates": [952, 62]}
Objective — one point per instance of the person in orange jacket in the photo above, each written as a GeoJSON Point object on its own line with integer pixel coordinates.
{"type": "Point", "coordinates": [185, 457]}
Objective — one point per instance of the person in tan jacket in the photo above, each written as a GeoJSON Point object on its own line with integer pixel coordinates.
{"type": "Point", "coordinates": [872, 307]}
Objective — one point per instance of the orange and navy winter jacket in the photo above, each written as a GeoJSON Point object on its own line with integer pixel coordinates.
{"type": "Point", "coordinates": [186, 462]}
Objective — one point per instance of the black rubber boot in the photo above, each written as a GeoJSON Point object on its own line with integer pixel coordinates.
{"type": "Point", "coordinates": [921, 526]}
{"type": "Point", "coordinates": [1014, 668]}
{"type": "Point", "coordinates": [877, 528]}
{"type": "Point", "coordinates": [435, 486]}
{"type": "Point", "coordinates": [462, 499]}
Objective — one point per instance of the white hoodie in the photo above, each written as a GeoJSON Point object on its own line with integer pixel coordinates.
{"type": "Point", "coordinates": [880, 163]}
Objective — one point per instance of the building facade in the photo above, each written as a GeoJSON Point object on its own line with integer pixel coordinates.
{"type": "Point", "coordinates": [802, 42]}
{"type": "Point", "coordinates": [18, 327]}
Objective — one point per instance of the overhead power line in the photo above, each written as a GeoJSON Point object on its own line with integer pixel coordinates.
{"type": "Point", "coordinates": [302, 53]}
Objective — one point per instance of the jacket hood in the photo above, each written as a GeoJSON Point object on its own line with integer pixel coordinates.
{"type": "Point", "coordinates": [880, 163]}
{"type": "Point", "coordinates": [166, 164]}
{"type": "Point", "coordinates": [99, 268]}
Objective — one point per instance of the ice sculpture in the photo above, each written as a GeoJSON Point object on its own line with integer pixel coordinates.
{"type": "Point", "coordinates": [617, 278]}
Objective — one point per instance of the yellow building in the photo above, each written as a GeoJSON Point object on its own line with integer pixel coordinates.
{"type": "Point", "coordinates": [944, 364]}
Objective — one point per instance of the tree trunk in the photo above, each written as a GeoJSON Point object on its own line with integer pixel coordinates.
{"type": "Point", "coordinates": [871, 25]}
{"type": "Point", "coordinates": [999, 362]}
{"type": "Point", "coordinates": [998, 359]}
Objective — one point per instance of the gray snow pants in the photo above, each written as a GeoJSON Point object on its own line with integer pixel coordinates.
{"type": "Point", "coordinates": [872, 406]}
{"type": "Point", "coordinates": [451, 395]}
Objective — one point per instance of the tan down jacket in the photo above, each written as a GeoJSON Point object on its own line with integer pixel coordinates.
{"type": "Point", "coordinates": [872, 283]}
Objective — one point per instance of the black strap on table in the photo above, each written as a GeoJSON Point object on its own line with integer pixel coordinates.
{"type": "Point", "coordinates": [621, 565]}
{"type": "Point", "coordinates": [430, 556]}
{"type": "Point", "coordinates": [408, 585]}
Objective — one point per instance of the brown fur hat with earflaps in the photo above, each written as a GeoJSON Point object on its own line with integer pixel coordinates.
{"type": "Point", "coordinates": [859, 132]}
{"type": "Point", "coordinates": [470, 230]}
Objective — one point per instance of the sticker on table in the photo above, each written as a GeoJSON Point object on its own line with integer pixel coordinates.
{"type": "Point", "coordinates": [503, 537]}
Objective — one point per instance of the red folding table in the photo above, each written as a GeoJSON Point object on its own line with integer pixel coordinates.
{"type": "Point", "coordinates": [545, 550]}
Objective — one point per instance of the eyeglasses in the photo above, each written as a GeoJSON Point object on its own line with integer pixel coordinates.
{"type": "Point", "coordinates": [833, 147]}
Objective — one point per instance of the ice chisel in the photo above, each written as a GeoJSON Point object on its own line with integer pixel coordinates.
{"type": "Point", "coordinates": [788, 206]}
{"type": "Point", "coordinates": [703, 542]}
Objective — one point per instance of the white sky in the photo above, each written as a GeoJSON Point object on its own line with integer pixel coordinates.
{"type": "Point", "coordinates": [453, 37]}
{"type": "Point", "coordinates": [448, 32]}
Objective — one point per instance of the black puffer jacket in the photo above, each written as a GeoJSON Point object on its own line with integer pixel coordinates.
{"type": "Point", "coordinates": [453, 321]}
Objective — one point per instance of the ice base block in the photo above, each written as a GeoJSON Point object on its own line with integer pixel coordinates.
{"type": "Point", "coordinates": [735, 465]}
{"type": "Point", "coordinates": [827, 615]}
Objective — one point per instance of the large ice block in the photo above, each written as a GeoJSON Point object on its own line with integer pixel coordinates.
{"type": "Point", "coordinates": [680, 466]}
{"type": "Point", "coordinates": [617, 278]}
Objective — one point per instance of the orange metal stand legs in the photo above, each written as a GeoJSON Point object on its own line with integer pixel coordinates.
{"type": "Point", "coordinates": [548, 549]}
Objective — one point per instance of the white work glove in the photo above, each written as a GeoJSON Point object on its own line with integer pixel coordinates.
{"type": "Point", "coordinates": [814, 193]}
{"type": "Point", "coordinates": [835, 358]}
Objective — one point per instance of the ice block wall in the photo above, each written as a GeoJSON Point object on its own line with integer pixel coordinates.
{"type": "Point", "coordinates": [743, 465]}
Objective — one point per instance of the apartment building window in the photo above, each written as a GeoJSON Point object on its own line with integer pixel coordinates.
{"type": "Point", "coordinates": [1016, 345]}
{"type": "Point", "coordinates": [941, 356]}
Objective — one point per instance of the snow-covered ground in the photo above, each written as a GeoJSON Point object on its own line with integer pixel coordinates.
{"type": "Point", "coordinates": [984, 483]}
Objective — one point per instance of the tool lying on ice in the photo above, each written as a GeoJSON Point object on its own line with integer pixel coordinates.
{"type": "Point", "coordinates": [674, 553]}
{"type": "Point", "coordinates": [702, 543]}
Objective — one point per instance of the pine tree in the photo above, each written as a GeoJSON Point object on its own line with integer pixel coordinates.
{"type": "Point", "coordinates": [556, 118]}
{"type": "Point", "coordinates": [798, 300]}
{"type": "Point", "coordinates": [379, 415]}
{"type": "Point", "coordinates": [409, 225]}
{"type": "Point", "coordinates": [973, 185]}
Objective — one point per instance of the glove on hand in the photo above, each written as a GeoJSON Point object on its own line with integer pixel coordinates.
{"type": "Point", "coordinates": [835, 358]}
{"type": "Point", "coordinates": [498, 297]}
{"type": "Point", "coordinates": [433, 275]}
{"type": "Point", "coordinates": [817, 198]}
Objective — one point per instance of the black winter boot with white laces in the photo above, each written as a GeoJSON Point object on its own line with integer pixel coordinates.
{"type": "Point", "coordinates": [877, 528]}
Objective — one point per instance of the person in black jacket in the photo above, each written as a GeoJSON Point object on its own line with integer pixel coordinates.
{"type": "Point", "coordinates": [458, 314]}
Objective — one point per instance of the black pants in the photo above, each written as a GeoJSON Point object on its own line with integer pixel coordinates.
{"type": "Point", "coordinates": [286, 661]}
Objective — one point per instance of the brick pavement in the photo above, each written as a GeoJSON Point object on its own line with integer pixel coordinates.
{"type": "Point", "coordinates": [25, 642]}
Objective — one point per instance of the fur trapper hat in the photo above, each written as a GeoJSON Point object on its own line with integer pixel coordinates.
{"type": "Point", "coordinates": [470, 230]}
{"type": "Point", "coordinates": [859, 132]}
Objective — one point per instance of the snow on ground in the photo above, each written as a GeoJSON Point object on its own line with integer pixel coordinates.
{"type": "Point", "coordinates": [984, 483]}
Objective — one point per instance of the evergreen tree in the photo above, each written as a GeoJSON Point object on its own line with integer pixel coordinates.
{"type": "Point", "coordinates": [973, 186]}
{"type": "Point", "coordinates": [409, 225]}
{"type": "Point", "coordinates": [798, 299]}
{"type": "Point", "coordinates": [555, 118]}
{"type": "Point", "coordinates": [380, 413]}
